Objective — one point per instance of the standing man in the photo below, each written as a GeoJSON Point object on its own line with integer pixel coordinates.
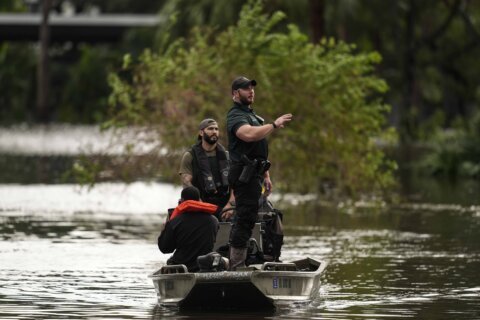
{"type": "Point", "coordinates": [248, 149]}
{"type": "Point", "coordinates": [206, 165]}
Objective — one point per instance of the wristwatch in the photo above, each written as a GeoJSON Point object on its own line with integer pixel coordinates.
{"type": "Point", "coordinates": [274, 125]}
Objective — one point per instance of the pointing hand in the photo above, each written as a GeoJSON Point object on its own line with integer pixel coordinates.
{"type": "Point", "coordinates": [282, 120]}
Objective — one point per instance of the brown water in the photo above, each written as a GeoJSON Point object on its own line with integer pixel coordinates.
{"type": "Point", "coordinates": [418, 261]}
{"type": "Point", "coordinates": [70, 254]}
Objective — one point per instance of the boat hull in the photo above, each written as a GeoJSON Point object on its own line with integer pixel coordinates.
{"type": "Point", "coordinates": [261, 287]}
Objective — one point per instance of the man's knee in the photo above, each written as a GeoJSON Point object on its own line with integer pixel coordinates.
{"type": "Point", "coordinates": [246, 222]}
{"type": "Point", "coordinates": [247, 213]}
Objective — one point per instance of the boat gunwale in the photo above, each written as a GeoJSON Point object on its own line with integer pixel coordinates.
{"type": "Point", "coordinates": [239, 276]}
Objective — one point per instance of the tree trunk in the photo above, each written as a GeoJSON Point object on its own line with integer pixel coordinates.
{"type": "Point", "coordinates": [43, 77]}
{"type": "Point", "coordinates": [408, 121]}
{"type": "Point", "coordinates": [317, 19]}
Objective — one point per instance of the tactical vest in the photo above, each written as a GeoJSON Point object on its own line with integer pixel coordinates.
{"type": "Point", "coordinates": [210, 174]}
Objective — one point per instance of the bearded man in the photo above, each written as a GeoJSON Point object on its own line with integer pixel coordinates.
{"type": "Point", "coordinates": [248, 148]}
{"type": "Point", "coordinates": [206, 166]}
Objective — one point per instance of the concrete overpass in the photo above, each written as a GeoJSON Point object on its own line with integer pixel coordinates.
{"type": "Point", "coordinates": [76, 28]}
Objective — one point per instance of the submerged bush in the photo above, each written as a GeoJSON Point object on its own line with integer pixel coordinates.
{"type": "Point", "coordinates": [328, 87]}
{"type": "Point", "coordinates": [455, 152]}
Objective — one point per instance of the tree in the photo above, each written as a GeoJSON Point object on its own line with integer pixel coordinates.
{"type": "Point", "coordinates": [428, 49]}
{"type": "Point", "coordinates": [317, 19]}
{"type": "Point", "coordinates": [330, 89]}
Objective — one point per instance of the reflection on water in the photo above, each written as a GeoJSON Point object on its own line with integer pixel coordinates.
{"type": "Point", "coordinates": [400, 263]}
{"type": "Point", "coordinates": [135, 198]}
{"type": "Point", "coordinates": [69, 253]}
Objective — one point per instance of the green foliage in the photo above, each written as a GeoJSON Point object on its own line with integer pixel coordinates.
{"type": "Point", "coordinates": [429, 49]}
{"type": "Point", "coordinates": [12, 6]}
{"type": "Point", "coordinates": [78, 73]}
{"type": "Point", "coordinates": [455, 152]}
{"type": "Point", "coordinates": [85, 171]}
{"type": "Point", "coordinates": [217, 14]}
{"type": "Point", "coordinates": [84, 97]}
{"type": "Point", "coordinates": [17, 79]}
{"type": "Point", "coordinates": [329, 88]}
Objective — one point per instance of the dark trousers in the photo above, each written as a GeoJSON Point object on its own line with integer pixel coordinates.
{"type": "Point", "coordinates": [246, 203]}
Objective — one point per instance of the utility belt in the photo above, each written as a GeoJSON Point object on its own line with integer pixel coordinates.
{"type": "Point", "coordinates": [252, 168]}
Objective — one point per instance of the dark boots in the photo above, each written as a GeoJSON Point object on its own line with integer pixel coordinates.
{"type": "Point", "coordinates": [237, 258]}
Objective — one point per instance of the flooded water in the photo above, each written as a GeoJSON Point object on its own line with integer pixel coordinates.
{"type": "Point", "coordinates": [66, 253]}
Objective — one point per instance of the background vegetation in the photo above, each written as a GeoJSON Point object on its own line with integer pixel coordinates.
{"type": "Point", "coordinates": [428, 53]}
{"type": "Point", "coordinates": [330, 90]}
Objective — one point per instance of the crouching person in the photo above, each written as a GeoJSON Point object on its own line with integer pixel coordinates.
{"type": "Point", "coordinates": [190, 230]}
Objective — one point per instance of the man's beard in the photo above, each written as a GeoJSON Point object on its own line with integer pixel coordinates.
{"type": "Point", "coordinates": [210, 140]}
{"type": "Point", "coordinates": [245, 101]}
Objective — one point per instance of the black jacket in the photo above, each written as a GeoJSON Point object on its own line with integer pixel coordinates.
{"type": "Point", "coordinates": [190, 235]}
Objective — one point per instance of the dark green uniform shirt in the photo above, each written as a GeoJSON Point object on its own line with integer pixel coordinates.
{"type": "Point", "coordinates": [238, 116]}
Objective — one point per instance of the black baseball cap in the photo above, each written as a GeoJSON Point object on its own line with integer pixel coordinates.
{"type": "Point", "coordinates": [242, 83]}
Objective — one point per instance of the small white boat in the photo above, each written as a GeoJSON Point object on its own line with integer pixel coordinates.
{"type": "Point", "coordinates": [256, 287]}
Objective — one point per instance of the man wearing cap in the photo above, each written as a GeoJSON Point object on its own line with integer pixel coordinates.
{"type": "Point", "coordinates": [248, 150]}
{"type": "Point", "coordinates": [206, 167]}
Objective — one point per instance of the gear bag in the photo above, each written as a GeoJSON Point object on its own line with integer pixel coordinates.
{"type": "Point", "coordinates": [272, 226]}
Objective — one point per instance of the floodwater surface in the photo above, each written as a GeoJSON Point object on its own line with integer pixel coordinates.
{"type": "Point", "coordinates": [70, 254]}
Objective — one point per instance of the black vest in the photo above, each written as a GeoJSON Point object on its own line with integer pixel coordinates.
{"type": "Point", "coordinates": [210, 174]}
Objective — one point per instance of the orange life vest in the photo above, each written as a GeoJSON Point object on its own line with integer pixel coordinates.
{"type": "Point", "coordinates": [193, 206]}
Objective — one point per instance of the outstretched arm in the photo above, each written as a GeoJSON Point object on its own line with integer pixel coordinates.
{"type": "Point", "coordinates": [250, 133]}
